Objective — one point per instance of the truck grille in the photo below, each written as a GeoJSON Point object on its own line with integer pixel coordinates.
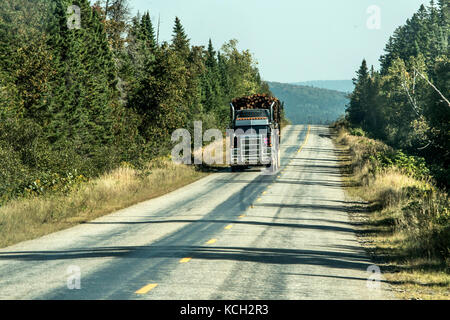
{"type": "Point", "coordinates": [251, 149]}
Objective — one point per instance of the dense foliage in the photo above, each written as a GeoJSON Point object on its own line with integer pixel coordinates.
{"type": "Point", "coordinates": [76, 102]}
{"type": "Point", "coordinates": [406, 103]}
{"type": "Point", "coordinates": [304, 104]}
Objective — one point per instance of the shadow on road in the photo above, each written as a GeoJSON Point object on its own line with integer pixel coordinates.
{"type": "Point", "coordinates": [291, 181]}
{"type": "Point", "coordinates": [228, 221]}
{"type": "Point", "coordinates": [332, 259]}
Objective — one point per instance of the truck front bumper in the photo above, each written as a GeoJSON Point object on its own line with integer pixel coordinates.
{"type": "Point", "coordinates": [250, 157]}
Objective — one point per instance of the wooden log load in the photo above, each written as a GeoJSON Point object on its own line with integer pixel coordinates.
{"type": "Point", "coordinates": [259, 101]}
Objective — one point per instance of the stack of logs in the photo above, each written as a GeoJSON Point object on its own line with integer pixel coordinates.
{"type": "Point", "coordinates": [259, 101]}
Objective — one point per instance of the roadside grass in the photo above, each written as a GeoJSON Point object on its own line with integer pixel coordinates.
{"type": "Point", "coordinates": [34, 216]}
{"type": "Point", "coordinates": [404, 220]}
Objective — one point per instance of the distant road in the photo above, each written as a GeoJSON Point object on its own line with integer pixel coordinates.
{"type": "Point", "coordinates": [240, 235]}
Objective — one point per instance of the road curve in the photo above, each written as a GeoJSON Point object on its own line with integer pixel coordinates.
{"type": "Point", "coordinates": [243, 235]}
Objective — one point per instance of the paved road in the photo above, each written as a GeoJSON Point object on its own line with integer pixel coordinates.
{"type": "Point", "coordinates": [241, 235]}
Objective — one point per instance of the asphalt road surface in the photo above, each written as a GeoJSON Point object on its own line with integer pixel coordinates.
{"type": "Point", "coordinates": [243, 235]}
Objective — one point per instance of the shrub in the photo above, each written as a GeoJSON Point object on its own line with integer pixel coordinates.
{"type": "Point", "coordinates": [357, 132]}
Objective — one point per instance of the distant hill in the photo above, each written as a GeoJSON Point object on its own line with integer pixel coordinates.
{"type": "Point", "coordinates": [310, 105]}
{"type": "Point", "coordinates": [338, 85]}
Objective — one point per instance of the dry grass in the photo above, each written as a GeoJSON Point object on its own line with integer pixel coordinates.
{"type": "Point", "coordinates": [25, 219]}
{"type": "Point", "coordinates": [399, 228]}
{"type": "Point", "coordinates": [421, 284]}
{"type": "Point", "coordinates": [387, 188]}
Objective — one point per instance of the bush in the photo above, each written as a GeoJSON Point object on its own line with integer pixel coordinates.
{"type": "Point", "coordinates": [14, 176]}
{"type": "Point", "coordinates": [357, 132]}
{"type": "Point", "coordinates": [32, 166]}
{"type": "Point", "coordinates": [411, 165]}
{"type": "Point", "coordinates": [16, 167]}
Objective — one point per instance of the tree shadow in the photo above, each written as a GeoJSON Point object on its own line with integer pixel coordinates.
{"type": "Point", "coordinates": [277, 256]}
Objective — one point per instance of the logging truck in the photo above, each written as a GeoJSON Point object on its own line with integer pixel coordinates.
{"type": "Point", "coordinates": [255, 134]}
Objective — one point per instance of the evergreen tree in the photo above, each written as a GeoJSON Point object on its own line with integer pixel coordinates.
{"type": "Point", "coordinates": [180, 41]}
{"type": "Point", "coordinates": [212, 93]}
{"type": "Point", "coordinates": [158, 100]}
{"type": "Point", "coordinates": [136, 54]}
{"type": "Point", "coordinates": [147, 33]}
{"type": "Point", "coordinates": [224, 77]}
{"type": "Point", "coordinates": [211, 60]}
{"type": "Point", "coordinates": [358, 101]}
{"type": "Point", "coordinates": [85, 86]}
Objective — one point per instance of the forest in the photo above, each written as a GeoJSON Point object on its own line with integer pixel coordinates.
{"type": "Point", "coordinates": [406, 103]}
{"type": "Point", "coordinates": [309, 105]}
{"type": "Point", "coordinates": [76, 102]}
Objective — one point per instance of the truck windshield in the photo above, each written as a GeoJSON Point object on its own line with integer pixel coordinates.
{"type": "Point", "coordinates": [253, 113]}
{"type": "Point", "coordinates": [252, 129]}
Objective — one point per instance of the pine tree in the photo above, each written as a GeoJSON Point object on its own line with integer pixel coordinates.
{"type": "Point", "coordinates": [147, 33]}
{"type": "Point", "coordinates": [180, 41]}
{"type": "Point", "coordinates": [224, 77]}
{"type": "Point", "coordinates": [158, 100]}
{"type": "Point", "coordinates": [212, 93]}
{"type": "Point", "coordinates": [357, 109]}
{"type": "Point", "coordinates": [444, 12]}
{"type": "Point", "coordinates": [211, 60]}
{"type": "Point", "coordinates": [84, 90]}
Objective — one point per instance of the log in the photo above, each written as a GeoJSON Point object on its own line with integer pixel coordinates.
{"type": "Point", "coordinates": [258, 101]}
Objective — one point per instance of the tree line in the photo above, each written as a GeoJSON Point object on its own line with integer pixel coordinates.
{"type": "Point", "coordinates": [406, 103]}
{"type": "Point", "coordinates": [77, 102]}
{"type": "Point", "coordinates": [310, 105]}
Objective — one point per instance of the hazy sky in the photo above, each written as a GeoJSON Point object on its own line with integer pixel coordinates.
{"type": "Point", "coordinates": [292, 40]}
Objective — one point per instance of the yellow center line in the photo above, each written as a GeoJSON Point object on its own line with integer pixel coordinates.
{"type": "Point", "coordinates": [306, 139]}
{"type": "Point", "coordinates": [228, 226]}
{"type": "Point", "coordinates": [184, 260]}
{"type": "Point", "coordinates": [147, 288]}
{"type": "Point", "coordinates": [211, 241]}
